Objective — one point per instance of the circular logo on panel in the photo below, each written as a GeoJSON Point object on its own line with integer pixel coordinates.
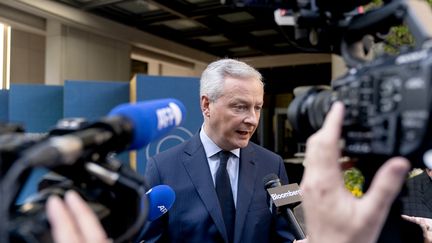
{"type": "Point", "coordinates": [176, 136]}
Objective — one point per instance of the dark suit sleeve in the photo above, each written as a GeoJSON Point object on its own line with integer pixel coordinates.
{"type": "Point", "coordinates": [154, 231]}
{"type": "Point", "coordinates": [282, 228]}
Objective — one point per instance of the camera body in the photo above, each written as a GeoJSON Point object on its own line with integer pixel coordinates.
{"type": "Point", "coordinates": [387, 100]}
{"type": "Point", "coordinates": [387, 106]}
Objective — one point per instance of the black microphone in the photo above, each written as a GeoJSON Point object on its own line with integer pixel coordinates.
{"type": "Point", "coordinates": [282, 198]}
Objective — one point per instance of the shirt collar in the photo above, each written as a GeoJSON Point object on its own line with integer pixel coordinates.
{"type": "Point", "coordinates": [211, 148]}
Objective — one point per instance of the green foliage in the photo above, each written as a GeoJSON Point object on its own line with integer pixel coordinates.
{"type": "Point", "coordinates": [398, 36]}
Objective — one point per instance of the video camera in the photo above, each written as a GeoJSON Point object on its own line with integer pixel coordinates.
{"type": "Point", "coordinates": [120, 204]}
{"type": "Point", "coordinates": [387, 99]}
{"type": "Point", "coordinates": [79, 156]}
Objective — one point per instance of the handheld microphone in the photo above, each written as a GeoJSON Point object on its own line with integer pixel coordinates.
{"type": "Point", "coordinates": [127, 127]}
{"type": "Point", "coordinates": [283, 198]}
{"type": "Point", "coordinates": [160, 200]}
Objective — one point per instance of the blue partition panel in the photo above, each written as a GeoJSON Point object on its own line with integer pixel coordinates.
{"type": "Point", "coordinates": [93, 99]}
{"type": "Point", "coordinates": [36, 107]}
{"type": "Point", "coordinates": [86, 99]}
{"type": "Point", "coordinates": [185, 89]}
{"type": "Point", "coordinates": [4, 105]}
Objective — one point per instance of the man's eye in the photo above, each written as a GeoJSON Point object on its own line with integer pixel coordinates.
{"type": "Point", "coordinates": [258, 108]}
{"type": "Point", "coordinates": [240, 107]}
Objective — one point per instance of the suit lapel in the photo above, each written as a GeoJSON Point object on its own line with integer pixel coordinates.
{"type": "Point", "coordinates": [247, 176]}
{"type": "Point", "coordinates": [197, 167]}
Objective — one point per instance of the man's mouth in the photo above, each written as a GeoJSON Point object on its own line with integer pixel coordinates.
{"type": "Point", "coordinates": [243, 133]}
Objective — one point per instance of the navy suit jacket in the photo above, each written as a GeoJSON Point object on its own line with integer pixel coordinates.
{"type": "Point", "coordinates": [196, 215]}
{"type": "Point", "coordinates": [418, 199]}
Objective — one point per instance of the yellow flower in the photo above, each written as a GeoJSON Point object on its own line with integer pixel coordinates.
{"type": "Point", "coordinates": [357, 192]}
{"type": "Point", "coordinates": [354, 181]}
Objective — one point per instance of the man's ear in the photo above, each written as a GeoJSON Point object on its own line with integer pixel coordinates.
{"type": "Point", "coordinates": [205, 106]}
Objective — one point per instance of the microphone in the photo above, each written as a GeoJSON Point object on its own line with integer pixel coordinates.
{"type": "Point", "coordinates": [127, 127]}
{"type": "Point", "coordinates": [283, 198]}
{"type": "Point", "coordinates": [151, 119]}
{"type": "Point", "coordinates": [160, 200]}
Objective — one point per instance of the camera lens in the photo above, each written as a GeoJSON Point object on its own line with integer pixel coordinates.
{"type": "Point", "coordinates": [307, 111]}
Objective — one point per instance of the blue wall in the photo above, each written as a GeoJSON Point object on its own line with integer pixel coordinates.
{"type": "Point", "coordinates": [185, 89]}
{"type": "Point", "coordinates": [93, 99]}
{"type": "Point", "coordinates": [4, 105]}
{"type": "Point", "coordinates": [36, 107]}
{"type": "Point", "coordinates": [39, 107]}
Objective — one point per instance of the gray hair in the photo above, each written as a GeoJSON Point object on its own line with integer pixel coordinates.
{"type": "Point", "coordinates": [213, 77]}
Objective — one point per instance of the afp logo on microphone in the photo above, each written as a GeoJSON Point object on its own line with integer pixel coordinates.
{"type": "Point", "coordinates": [169, 116]}
{"type": "Point", "coordinates": [162, 209]}
{"type": "Point", "coordinates": [284, 195]}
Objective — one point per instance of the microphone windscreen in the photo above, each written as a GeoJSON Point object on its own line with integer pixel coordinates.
{"type": "Point", "coordinates": [151, 119]}
{"type": "Point", "coordinates": [271, 180]}
{"type": "Point", "coordinates": [160, 198]}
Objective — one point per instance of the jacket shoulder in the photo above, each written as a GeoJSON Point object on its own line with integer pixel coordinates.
{"type": "Point", "coordinates": [263, 151]}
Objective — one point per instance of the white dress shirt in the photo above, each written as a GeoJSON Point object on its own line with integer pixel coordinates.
{"type": "Point", "coordinates": [212, 150]}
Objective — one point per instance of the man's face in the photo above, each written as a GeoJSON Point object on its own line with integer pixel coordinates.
{"type": "Point", "coordinates": [231, 120]}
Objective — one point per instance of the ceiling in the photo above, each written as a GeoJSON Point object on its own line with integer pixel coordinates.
{"type": "Point", "coordinates": [205, 25]}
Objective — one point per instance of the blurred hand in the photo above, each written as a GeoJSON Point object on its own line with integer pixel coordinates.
{"type": "Point", "coordinates": [425, 224]}
{"type": "Point", "coordinates": [73, 221]}
{"type": "Point", "coordinates": [332, 213]}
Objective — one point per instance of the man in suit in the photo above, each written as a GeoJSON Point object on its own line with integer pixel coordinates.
{"type": "Point", "coordinates": [418, 198]}
{"type": "Point", "coordinates": [231, 98]}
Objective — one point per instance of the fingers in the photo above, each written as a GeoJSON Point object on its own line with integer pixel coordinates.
{"type": "Point", "coordinates": [322, 176]}
{"type": "Point", "coordinates": [87, 222]}
{"type": "Point", "coordinates": [72, 220]}
{"type": "Point", "coordinates": [409, 218]}
{"type": "Point", "coordinates": [424, 223]}
{"type": "Point", "coordinates": [323, 147]}
{"type": "Point", "coordinates": [63, 228]}
{"type": "Point", "coordinates": [322, 152]}
{"type": "Point", "coordinates": [386, 185]}
{"type": "Point", "coordinates": [334, 120]}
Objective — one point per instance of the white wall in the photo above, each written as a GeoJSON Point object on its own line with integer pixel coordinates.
{"type": "Point", "coordinates": [72, 44]}
{"type": "Point", "coordinates": [172, 70]}
{"type": "Point", "coordinates": [74, 54]}
{"type": "Point", "coordinates": [27, 57]}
